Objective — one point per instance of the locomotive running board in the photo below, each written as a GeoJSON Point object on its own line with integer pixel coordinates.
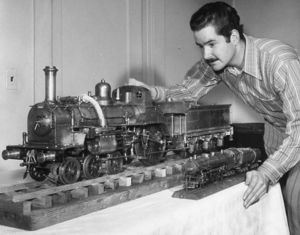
{"type": "Point", "coordinates": [32, 206]}
{"type": "Point", "coordinates": [211, 188]}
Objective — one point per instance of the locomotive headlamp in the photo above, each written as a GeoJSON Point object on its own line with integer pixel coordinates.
{"type": "Point", "coordinates": [11, 154]}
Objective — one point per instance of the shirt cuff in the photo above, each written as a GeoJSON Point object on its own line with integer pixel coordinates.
{"type": "Point", "coordinates": [158, 93]}
{"type": "Point", "coordinates": [270, 172]}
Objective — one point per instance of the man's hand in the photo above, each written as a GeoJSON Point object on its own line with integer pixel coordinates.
{"type": "Point", "coordinates": [257, 187]}
{"type": "Point", "coordinates": [134, 82]}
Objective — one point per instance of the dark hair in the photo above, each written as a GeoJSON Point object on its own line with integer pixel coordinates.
{"type": "Point", "coordinates": [219, 14]}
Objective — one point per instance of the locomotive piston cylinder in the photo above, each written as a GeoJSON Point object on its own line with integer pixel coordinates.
{"type": "Point", "coordinates": [44, 157]}
{"type": "Point", "coordinates": [50, 83]}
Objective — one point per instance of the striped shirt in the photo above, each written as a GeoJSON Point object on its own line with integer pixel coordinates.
{"type": "Point", "coordinates": [269, 83]}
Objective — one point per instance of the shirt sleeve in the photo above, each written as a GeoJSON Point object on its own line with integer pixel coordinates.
{"type": "Point", "coordinates": [198, 81]}
{"type": "Point", "coordinates": [287, 82]}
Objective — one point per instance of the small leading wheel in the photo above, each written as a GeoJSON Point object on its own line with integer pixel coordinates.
{"type": "Point", "coordinates": [69, 171]}
{"type": "Point", "coordinates": [91, 167]}
{"type": "Point", "coordinates": [38, 173]}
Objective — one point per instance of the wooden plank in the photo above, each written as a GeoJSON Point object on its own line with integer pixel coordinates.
{"type": "Point", "coordinates": [137, 178]}
{"type": "Point", "coordinates": [42, 202]}
{"type": "Point", "coordinates": [61, 197]}
{"type": "Point", "coordinates": [169, 170]}
{"type": "Point", "coordinates": [16, 187]}
{"type": "Point", "coordinates": [160, 172]}
{"type": "Point", "coordinates": [148, 175]}
{"type": "Point", "coordinates": [23, 208]}
{"type": "Point", "coordinates": [79, 193]}
{"type": "Point", "coordinates": [95, 189]}
{"type": "Point", "coordinates": [53, 190]}
{"type": "Point", "coordinates": [125, 181]}
{"type": "Point", "coordinates": [46, 217]}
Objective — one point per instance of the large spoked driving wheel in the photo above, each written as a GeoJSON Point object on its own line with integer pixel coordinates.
{"type": "Point", "coordinates": [150, 146]}
{"type": "Point", "coordinates": [91, 167]}
{"type": "Point", "coordinates": [69, 171]}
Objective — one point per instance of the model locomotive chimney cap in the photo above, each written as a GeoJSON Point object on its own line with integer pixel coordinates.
{"type": "Point", "coordinates": [50, 68]}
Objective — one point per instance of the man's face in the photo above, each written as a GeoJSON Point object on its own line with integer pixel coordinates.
{"type": "Point", "coordinates": [215, 50]}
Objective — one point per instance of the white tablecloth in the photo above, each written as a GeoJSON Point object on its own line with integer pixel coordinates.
{"type": "Point", "coordinates": [160, 213]}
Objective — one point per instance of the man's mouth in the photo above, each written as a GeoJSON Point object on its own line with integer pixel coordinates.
{"type": "Point", "coordinates": [211, 61]}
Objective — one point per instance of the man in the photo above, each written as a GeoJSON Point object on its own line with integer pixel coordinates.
{"type": "Point", "coordinates": [265, 74]}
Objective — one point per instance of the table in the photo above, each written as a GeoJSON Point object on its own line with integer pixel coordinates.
{"type": "Point", "coordinates": [161, 214]}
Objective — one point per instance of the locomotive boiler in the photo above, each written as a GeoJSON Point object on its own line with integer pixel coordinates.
{"type": "Point", "coordinates": [86, 136]}
{"type": "Point", "coordinates": [206, 168]}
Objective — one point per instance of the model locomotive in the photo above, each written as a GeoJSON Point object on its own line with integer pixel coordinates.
{"type": "Point", "coordinates": [90, 135]}
{"type": "Point", "coordinates": [206, 168]}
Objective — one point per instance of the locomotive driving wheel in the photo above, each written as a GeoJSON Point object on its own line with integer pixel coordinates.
{"type": "Point", "coordinates": [150, 146]}
{"type": "Point", "coordinates": [91, 167]}
{"type": "Point", "coordinates": [38, 173]}
{"type": "Point", "coordinates": [69, 171]}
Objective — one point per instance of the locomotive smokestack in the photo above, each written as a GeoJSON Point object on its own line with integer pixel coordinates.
{"type": "Point", "coordinates": [50, 80]}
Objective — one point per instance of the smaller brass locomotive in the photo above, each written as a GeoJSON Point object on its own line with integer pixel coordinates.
{"type": "Point", "coordinates": [87, 136]}
{"type": "Point", "coordinates": [206, 168]}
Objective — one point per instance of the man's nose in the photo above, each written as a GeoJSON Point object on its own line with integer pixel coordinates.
{"type": "Point", "coordinates": [206, 53]}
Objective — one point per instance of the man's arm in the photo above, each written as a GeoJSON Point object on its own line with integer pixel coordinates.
{"type": "Point", "coordinates": [288, 154]}
{"type": "Point", "coordinates": [198, 81]}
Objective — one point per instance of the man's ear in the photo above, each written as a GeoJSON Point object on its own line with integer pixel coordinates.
{"type": "Point", "coordinates": [234, 37]}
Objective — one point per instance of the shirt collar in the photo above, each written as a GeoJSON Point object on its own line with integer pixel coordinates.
{"type": "Point", "coordinates": [251, 58]}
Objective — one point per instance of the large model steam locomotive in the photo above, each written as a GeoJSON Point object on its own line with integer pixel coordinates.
{"type": "Point", "coordinates": [206, 168]}
{"type": "Point", "coordinates": [87, 136]}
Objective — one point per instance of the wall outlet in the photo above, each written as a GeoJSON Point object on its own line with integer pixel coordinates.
{"type": "Point", "coordinates": [11, 79]}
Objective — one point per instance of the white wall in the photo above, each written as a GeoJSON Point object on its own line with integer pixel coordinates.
{"type": "Point", "coordinates": [278, 19]}
{"type": "Point", "coordinates": [16, 51]}
{"type": "Point", "coordinates": [90, 41]}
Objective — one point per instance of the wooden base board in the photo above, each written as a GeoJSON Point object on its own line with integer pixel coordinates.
{"type": "Point", "coordinates": [40, 218]}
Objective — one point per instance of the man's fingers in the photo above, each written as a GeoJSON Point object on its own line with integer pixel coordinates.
{"type": "Point", "coordinates": [257, 187]}
{"type": "Point", "coordinates": [248, 177]}
{"type": "Point", "coordinates": [254, 196]}
{"type": "Point", "coordinates": [251, 181]}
